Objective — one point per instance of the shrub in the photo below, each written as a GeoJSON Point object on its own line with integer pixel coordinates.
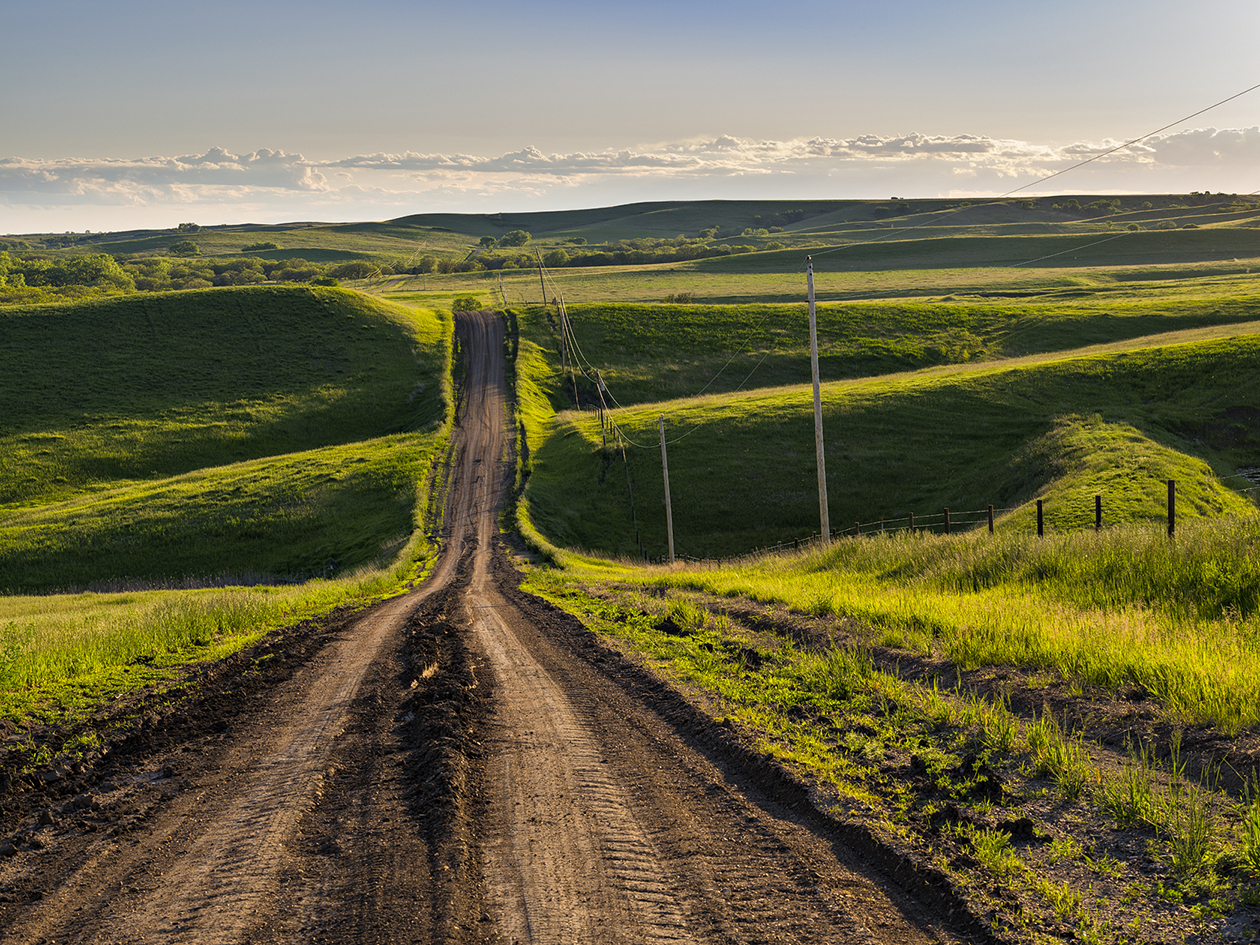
{"type": "Point", "coordinates": [185, 248]}
{"type": "Point", "coordinates": [258, 247]}
{"type": "Point", "coordinates": [465, 303]}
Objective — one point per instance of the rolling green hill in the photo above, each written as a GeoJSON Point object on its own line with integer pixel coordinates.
{"type": "Point", "coordinates": [742, 465]}
{"type": "Point", "coordinates": [256, 433]}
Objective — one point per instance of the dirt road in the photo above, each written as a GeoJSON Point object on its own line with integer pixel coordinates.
{"type": "Point", "coordinates": [464, 764]}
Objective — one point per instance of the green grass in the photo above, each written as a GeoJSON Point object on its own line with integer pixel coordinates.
{"type": "Point", "coordinates": [917, 762]}
{"type": "Point", "coordinates": [289, 518]}
{"type": "Point", "coordinates": [148, 387]}
{"type": "Point", "coordinates": [61, 656]}
{"type": "Point", "coordinates": [1128, 607]}
{"type": "Point", "coordinates": [916, 443]}
{"type": "Point", "coordinates": [650, 353]}
{"type": "Point", "coordinates": [221, 437]}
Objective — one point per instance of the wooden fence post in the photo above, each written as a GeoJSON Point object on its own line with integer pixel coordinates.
{"type": "Point", "coordinates": [1041, 520]}
{"type": "Point", "coordinates": [1097, 513]}
{"type": "Point", "coordinates": [990, 520]}
{"type": "Point", "coordinates": [947, 521]}
{"type": "Point", "coordinates": [1172, 507]}
{"type": "Point", "coordinates": [911, 523]}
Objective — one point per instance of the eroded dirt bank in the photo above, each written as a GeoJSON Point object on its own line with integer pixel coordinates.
{"type": "Point", "coordinates": [464, 764]}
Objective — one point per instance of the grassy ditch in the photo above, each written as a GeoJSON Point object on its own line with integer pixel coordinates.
{"type": "Point", "coordinates": [1046, 833]}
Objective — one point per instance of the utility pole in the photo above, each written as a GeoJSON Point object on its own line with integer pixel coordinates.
{"type": "Point", "coordinates": [542, 282]}
{"type": "Point", "coordinates": [818, 430]}
{"type": "Point", "coordinates": [566, 331]}
{"type": "Point", "coordinates": [603, 407]}
{"type": "Point", "coordinates": [669, 513]}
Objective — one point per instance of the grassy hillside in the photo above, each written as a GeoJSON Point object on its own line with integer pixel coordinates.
{"type": "Point", "coordinates": [146, 387]}
{"type": "Point", "coordinates": [289, 518]}
{"type": "Point", "coordinates": [742, 465]}
{"type": "Point", "coordinates": [232, 434]}
{"type": "Point", "coordinates": [648, 353]}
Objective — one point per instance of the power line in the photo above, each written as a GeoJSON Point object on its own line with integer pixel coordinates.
{"type": "Point", "coordinates": [1079, 164]}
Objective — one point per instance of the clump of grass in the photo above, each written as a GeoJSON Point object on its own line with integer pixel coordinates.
{"type": "Point", "coordinates": [1249, 833]}
{"type": "Point", "coordinates": [992, 847]}
{"type": "Point", "coordinates": [1191, 831]}
{"type": "Point", "coordinates": [1064, 760]}
{"type": "Point", "coordinates": [1130, 797]}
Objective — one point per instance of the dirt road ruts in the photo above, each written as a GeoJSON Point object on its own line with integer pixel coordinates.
{"type": "Point", "coordinates": [451, 767]}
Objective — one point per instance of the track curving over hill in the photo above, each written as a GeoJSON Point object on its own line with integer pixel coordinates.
{"type": "Point", "coordinates": [463, 764]}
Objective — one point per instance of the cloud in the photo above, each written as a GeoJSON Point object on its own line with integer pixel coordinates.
{"type": "Point", "coordinates": [726, 155]}
{"type": "Point", "coordinates": [273, 184]}
{"type": "Point", "coordinates": [153, 179]}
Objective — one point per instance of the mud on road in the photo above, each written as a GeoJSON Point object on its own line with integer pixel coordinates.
{"type": "Point", "coordinates": [463, 764]}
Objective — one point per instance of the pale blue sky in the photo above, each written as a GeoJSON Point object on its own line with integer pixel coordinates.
{"type": "Point", "coordinates": [111, 111]}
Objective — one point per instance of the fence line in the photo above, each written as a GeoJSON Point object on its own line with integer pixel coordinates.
{"type": "Point", "coordinates": [943, 522]}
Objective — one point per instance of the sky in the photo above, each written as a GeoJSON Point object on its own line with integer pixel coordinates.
{"type": "Point", "coordinates": [143, 114]}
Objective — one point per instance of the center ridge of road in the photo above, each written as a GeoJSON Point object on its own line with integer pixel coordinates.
{"type": "Point", "coordinates": [464, 764]}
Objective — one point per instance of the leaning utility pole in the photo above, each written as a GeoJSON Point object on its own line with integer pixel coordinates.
{"type": "Point", "coordinates": [818, 431]}
{"type": "Point", "coordinates": [669, 514]}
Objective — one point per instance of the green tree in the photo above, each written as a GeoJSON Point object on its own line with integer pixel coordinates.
{"type": "Point", "coordinates": [356, 269]}
{"type": "Point", "coordinates": [515, 238]}
{"type": "Point", "coordinates": [556, 258]}
{"type": "Point", "coordinates": [489, 242]}
{"type": "Point", "coordinates": [185, 248]}
{"type": "Point", "coordinates": [465, 303]}
{"type": "Point", "coordinates": [189, 228]}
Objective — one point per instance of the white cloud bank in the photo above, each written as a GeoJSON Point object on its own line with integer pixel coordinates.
{"type": "Point", "coordinates": [271, 186]}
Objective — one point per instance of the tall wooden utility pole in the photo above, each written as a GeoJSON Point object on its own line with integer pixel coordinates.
{"type": "Point", "coordinates": [818, 431]}
{"type": "Point", "coordinates": [541, 281]}
{"type": "Point", "coordinates": [669, 513]}
{"type": "Point", "coordinates": [603, 407]}
{"type": "Point", "coordinates": [566, 331]}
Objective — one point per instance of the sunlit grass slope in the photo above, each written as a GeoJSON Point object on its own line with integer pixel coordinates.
{"type": "Point", "coordinates": [742, 471]}
{"type": "Point", "coordinates": [226, 435]}
{"type": "Point", "coordinates": [658, 352]}
{"type": "Point", "coordinates": [289, 518]}
{"type": "Point", "coordinates": [147, 387]}
{"type": "Point", "coordinates": [1128, 608]}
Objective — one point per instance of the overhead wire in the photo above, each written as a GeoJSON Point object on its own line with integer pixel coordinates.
{"type": "Point", "coordinates": [1048, 177]}
{"type": "Point", "coordinates": [589, 368]}
{"type": "Point", "coordinates": [867, 296]}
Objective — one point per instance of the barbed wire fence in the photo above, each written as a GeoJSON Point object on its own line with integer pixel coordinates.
{"type": "Point", "coordinates": [945, 522]}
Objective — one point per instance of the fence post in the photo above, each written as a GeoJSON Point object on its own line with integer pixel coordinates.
{"type": "Point", "coordinates": [911, 523]}
{"type": "Point", "coordinates": [947, 521]}
{"type": "Point", "coordinates": [1172, 507]}
{"type": "Point", "coordinates": [1041, 520]}
{"type": "Point", "coordinates": [857, 528]}
{"type": "Point", "coordinates": [1097, 513]}
{"type": "Point", "coordinates": [990, 520]}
